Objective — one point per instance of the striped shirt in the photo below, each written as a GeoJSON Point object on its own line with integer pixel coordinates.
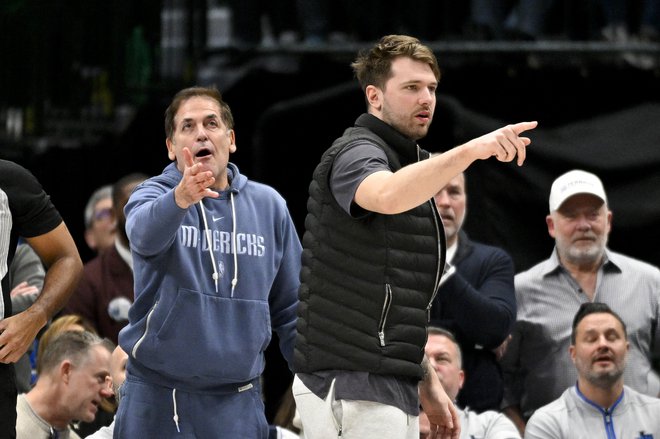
{"type": "Point", "coordinates": [537, 366]}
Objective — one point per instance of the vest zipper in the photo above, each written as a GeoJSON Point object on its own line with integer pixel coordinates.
{"type": "Point", "coordinates": [442, 242]}
{"type": "Point", "coordinates": [383, 315]}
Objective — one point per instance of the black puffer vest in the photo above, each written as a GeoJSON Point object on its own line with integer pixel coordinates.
{"type": "Point", "coordinates": [367, 283]}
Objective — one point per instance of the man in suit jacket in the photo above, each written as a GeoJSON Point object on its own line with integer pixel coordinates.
{"type": "Point", "coordinates": [477, 302]}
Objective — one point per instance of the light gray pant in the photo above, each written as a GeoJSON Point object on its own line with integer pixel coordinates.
{"type": "Point", "coordinates": [347, 419]}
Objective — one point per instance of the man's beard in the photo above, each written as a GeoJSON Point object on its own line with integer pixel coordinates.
{"type": "Point", "coordinates": [583, 255]}
{"type": "Point", "coordinates": [604, 380]}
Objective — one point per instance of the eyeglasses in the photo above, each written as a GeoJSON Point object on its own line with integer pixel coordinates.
{"type": "Point", "coordinates": [102, 214]}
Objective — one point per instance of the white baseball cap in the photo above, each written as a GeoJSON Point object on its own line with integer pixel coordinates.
{"type": "Point", "coordinates": [572, 183]}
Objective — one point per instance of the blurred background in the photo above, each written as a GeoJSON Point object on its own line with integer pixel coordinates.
{"type": "Point", "coordinates": [84, 85]}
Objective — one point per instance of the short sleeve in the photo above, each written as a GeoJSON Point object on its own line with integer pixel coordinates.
{"type": "Point", "coordinates": [32, 212]}
{"type": "Point", "coordinates": [352, 165]}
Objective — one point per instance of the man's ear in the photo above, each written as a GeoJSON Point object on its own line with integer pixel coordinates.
{"type": "Point", "coordinates": [461, 378]}
{"type": "Point", "coordinates": [551, 225]}
{"type": "Point", "coordinates": [232, 140]}
{"type": "Point", "coordinates": [571, 352]}
{"type": "Point", "coordinates": [374, 97]}
{"type": "Point", "coordinates": [65, 371]}
{"type": "Point", "coordinates": [170, 149]}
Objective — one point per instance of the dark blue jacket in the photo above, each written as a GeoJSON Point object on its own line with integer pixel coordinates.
{"type": "Point", "coordinates": [478, 304]}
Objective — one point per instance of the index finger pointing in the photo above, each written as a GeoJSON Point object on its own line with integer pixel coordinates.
{"type": "Point", "coordinates": [523, 126]}
{"type": "Point", "coordinates": [188, 158]}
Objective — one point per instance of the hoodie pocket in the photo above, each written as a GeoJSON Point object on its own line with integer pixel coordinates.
{"type": "Point", "coordinates": [208, 336]}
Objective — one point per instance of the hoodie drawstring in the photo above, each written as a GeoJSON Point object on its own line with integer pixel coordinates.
{"type": "Point", "coordinates": [234, 244]}
{"type": "Point", "coordinates": [176, 415]}
{"type": "Point", "coordinates": [234, 281]}
{"type": "Point", "coordinates": [209, 242]}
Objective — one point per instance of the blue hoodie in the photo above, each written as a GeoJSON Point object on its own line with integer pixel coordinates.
{"type": "Point", "coordinates": [202, 317]}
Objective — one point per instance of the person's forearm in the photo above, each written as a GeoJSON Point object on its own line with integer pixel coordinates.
{"type": "Point", "coordinates": [493, 304]}
{"type": "Point", "coordinates": [414, 184]}
{"type": "Point", "coordinates": [59, 253]}
{"type": "Point", "coordinates": [152, 221]}
{"type": "Point", "coordinates": [430, 386]}
{"type": "Point", "coordinates": [61, 280]}
{"type": "Point", "coordinates": [437, 404]}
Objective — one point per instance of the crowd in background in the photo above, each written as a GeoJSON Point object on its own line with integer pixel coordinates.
{"type": "Point", "coordinates": [319, 22]}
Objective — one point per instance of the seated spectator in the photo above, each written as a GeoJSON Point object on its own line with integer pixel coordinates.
{"type": "Point", "coordinates": [26, 278]}
{"type": "Point", "coordinates": [118, 362]}
{"type": "Point", "coordinates": [99, 220]}
{"type": "Point", "coordinates": [61, 324]}
{"type": "Point", "coordinates": [444, 353]}
{"type": "Point", "coordinates": [599, 405]}
{"type": "Point", "coordinates": [105, 292]}
{"type": "Point", "coordinates": [77, 323]}
{"type": "Point", "coordinates": [71, 386]}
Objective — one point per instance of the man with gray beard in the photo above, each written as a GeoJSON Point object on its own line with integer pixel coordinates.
{"type": "Point", "coordinates": [580, 270]}
{"type": "Point", "coordinates": [599, 405]}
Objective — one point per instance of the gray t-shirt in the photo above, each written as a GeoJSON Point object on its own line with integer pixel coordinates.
{"type": "Point", "coordinates": [353, 164]}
